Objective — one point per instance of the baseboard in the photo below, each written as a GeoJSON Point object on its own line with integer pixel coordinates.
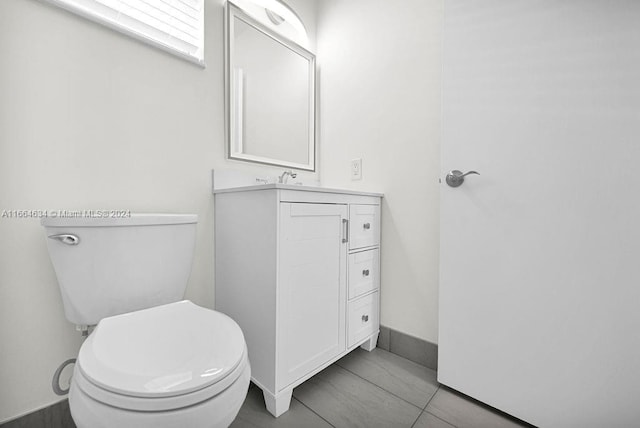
{"type": "Point", "coordinates": [412, 348]}
{"type": "Point", "coordinates": [54, 416]}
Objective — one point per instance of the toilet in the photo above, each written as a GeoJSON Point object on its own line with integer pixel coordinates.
{"type": "Point", "coordinates": [153, 359]}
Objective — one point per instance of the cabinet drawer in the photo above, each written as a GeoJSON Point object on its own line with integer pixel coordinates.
{"type": "Point", "coordinates": [364, 272]}
{"type": "Point", "coordinates": [363, 318]}
{"type": "Point", "coordinates": [364, 226]}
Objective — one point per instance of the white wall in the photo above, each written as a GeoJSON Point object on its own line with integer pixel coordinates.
{"type": "Point", "coordinates": [92, 119]}
{"type": "Point", "coordinates": [380, 69]}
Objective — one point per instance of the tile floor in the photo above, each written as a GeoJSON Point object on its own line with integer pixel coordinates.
{"type": "Point", "coordinates": [374, 389]}
{"type": "Point", "coordinates": [363, 389]}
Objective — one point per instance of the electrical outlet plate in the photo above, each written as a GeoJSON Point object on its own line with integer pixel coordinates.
{"type": "Point", "coordinates": [356, 169]}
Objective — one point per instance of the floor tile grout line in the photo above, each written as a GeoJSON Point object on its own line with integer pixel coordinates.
{"type": "Point", "coordinates": [337, 363]}
{"type": "Point", "coordinates": [388, 392]}
{"type": "Point", "coordinates": [424, 409]}
{"type": "Point", "coordinates": [438, 417]}
{"type": "Point", "coordinates": [435, 416]}
{"type": "Point", "coordinates": [488, 408]}
{"type": "Point", "coordinates": [417, 419]}
{"type": "Point", "coordinates": [313, 411]}
{"type": "Point", "coordinates": [394, 356]}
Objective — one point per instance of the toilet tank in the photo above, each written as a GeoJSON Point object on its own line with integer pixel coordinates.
{"type": "Point", "coordinates": [110, 266]}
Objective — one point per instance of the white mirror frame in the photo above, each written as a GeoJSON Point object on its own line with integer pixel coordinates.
{"type": "Point", "coordinates": [231, 108]}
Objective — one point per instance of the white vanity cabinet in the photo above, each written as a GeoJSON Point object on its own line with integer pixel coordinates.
{"type": "Point", "coordinates": [299, 269]}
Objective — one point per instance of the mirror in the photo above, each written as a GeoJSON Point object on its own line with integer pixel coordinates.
{"type": "Point", "coordinates": [270, 95]}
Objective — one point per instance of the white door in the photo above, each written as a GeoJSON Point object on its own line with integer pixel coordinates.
{"type": "Point", "coordinates": [540, 254]}
{"type": "Point", "coordinates": [312, 288]}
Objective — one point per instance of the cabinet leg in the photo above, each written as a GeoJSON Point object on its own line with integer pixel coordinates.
{"type": "Point", "coordinates": [371, 343]}
{"type": "Point", "coordinates": [278, 404]}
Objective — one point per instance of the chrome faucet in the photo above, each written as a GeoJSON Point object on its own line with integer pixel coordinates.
{"type": "Point", "coordinates": [285, 176]}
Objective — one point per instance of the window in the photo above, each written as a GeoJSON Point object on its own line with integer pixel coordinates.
{"type": "Point", "coordinates": [176, 26]}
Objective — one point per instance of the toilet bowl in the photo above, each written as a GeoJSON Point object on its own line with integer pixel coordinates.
{"type": "Point", "coordinates": [172, 365]}
{"type": "Point", "coordinates": [153, 359]}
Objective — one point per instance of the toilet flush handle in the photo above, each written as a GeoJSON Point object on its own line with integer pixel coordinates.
{"type": "Point", "coordinates": [66, 238]}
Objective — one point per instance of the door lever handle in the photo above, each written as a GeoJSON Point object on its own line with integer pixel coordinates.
{"type": "Point", "coordinates": [455, 178]}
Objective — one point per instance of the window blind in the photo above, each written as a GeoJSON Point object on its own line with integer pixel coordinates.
{"type": "Point", "coordinates": [176, 26]}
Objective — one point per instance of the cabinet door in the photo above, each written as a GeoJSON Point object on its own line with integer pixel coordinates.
{"type": "Point", "coordinates": [311, 288]}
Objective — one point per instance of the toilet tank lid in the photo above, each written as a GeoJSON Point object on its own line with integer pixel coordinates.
{"type": "Point", "coordinates": [106, 218]}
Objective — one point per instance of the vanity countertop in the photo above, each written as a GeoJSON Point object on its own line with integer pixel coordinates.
{"type": "Point", "coordinates": [296, 187]}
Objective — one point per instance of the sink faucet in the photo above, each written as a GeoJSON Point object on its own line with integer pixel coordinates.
{"type": "Point", "coordinates": [285, 176]}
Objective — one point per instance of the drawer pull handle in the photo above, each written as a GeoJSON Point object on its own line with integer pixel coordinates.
{"type": "Point", "coordinates": [365, 318]}
{"type": "Point", "coordinates": [345, 230]}
{"type": "Point", "coordinates": [367, 226]}
{"type": "Point", "coordinates": [365, 272]}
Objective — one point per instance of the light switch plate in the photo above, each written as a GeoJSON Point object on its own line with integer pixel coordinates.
{"type": "Point", "coordinates": [356, 169]}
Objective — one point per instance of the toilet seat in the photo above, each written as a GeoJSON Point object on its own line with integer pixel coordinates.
{"type": "Point", "coordinates": [162, 358]}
